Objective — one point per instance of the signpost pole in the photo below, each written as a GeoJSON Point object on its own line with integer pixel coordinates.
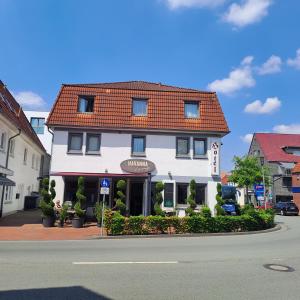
{"type": "Point", "coordinates": [102, 217]}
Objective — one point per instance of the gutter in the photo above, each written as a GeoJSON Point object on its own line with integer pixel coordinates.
{"type": "Point", "coordinates": [6, 166]}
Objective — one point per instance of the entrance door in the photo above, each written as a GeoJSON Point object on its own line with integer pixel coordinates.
{"type": "Point", "coordinates": [136, 198]}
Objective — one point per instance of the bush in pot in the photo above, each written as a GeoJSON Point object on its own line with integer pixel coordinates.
{"type": "Point", "coordinates": [78, 219]}
{"type": "Point", "coordinates": [63, 215]}
{"type": "Point", "coordinates": [47, 204]}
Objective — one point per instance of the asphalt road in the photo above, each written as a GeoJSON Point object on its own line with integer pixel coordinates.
{"type": "Point", "coordinates": [223, 267]}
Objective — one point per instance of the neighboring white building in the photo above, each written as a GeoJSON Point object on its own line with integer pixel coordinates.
{"type": "Point", "coordinates": [37, 120]}
{"type": "Point", "coordinates": [140, 132]}
{"type": "Point", "coordinates": [21, 155]}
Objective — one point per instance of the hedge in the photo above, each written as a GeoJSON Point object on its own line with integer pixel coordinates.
{"type": "Point", "coordinates": [118, 225]}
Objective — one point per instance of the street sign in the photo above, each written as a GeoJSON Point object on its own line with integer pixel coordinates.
{"type": "Point", "coordinates": [104, 191]}
{"type": "Point", "coordinates": [259, 190]}
{"type": "Point", "coordinates": [105, 183]}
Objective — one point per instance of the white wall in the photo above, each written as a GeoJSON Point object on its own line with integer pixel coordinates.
{"type": "Point", "coordinates": [116, 147]}
{"type": "Point", "coordinates": [24, 176]}
{"type": "Point", "coordinates": [45, 138]}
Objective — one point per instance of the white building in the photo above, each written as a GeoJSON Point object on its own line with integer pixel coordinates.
{"type": "Point", "coordinates": [37, 120]}
{"type": "Point", "coordinates": [140, 132]}
{"type": "Point", "coordinates": [21, 155]}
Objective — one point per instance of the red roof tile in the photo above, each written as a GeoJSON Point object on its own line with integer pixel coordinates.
{"type": "Point", "coordinates": [273, 144]}
{"type": "Point", "coordinates": [296, 168]}
{"type": "Point", "coordinates": [13, 112]}
{"type": "Point", "coordinates": [113, 108]}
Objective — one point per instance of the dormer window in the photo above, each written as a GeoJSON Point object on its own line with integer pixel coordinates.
{"type": "Point", "coordinates": [139, 107]}
{"type": "Point", "coordinates": [86, 104]}
{"type": "Point", "coordinates": [191, 110]}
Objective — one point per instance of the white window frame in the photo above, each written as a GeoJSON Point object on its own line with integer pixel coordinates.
{"type": "Point", "coordinates": [174, 196]}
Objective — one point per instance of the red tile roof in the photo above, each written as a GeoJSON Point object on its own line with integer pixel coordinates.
{"type": "Point", "coordinates": [296, 168]}
{"type": "Point", "coordinates": [113, 108]}
{"type": "Point", "coordinates": [11, 109]}
{"type": "Point", "coordinates": [273, 144]}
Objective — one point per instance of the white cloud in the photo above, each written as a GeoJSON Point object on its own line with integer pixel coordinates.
{"type": "Point", "coordinates": [295, 62]}
{"type": "Point", "coordinates": [246, 13]}
{"type": "Point", "coordinates": [174, 4]}
{"type": "Point", "coordinates": [29, 100]}
{"type": "Point", "coordinates": [292, 128]}
{"type": "Point", "coordinates": [271, 66]}
{"type": "Point", "coordinates": [258, 107]}
{"type": "Point", "coordinates": [247, 138]}
{"type": "Point", "coordinates": [237, 79]}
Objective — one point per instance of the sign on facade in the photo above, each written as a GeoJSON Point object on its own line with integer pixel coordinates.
{"type": "Point", "coordinates": [104, 191]}
{"type": "Point", "coordinates": [137, 166]}
{"type": "Point", "coordinates": [215, 160]}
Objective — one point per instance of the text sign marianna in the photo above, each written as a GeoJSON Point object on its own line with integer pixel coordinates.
{"type": "Point", "coordinates": [215, 161]}
{"type": "Point", "coordinates": [137, 166]}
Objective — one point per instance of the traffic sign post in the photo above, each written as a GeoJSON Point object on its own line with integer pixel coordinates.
{"type": "Point", "coordinates": [104, 190]}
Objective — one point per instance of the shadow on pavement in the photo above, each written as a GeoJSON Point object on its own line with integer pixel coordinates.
{"type": "Point", "coordinates": [57, 293]}
{"type": "Point", "coordinates": [21, 218]}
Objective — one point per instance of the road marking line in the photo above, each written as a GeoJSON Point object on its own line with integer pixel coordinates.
{"type": "Point", "coordinates": [121, 262]}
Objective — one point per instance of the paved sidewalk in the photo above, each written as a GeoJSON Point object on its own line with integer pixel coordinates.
{"type": "Point", "coordinates": [26, 226]}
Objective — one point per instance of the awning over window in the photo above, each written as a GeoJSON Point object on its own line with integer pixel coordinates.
{"type": "Point", "coordinates": [6, 181]}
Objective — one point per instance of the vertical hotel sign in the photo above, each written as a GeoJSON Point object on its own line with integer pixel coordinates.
{"type": "Point", "coordinates": [215, 159]}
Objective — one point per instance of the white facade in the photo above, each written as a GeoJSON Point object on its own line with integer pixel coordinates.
{"type": "Point", "coordinates": [25, 171]}
{"type": "Point", "coordinates": [116, 148]}
{"type": "Point", "coordinates": [44, 135]}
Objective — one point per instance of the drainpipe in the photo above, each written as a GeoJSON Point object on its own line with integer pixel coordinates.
{"type": "Point", "coordinates": [6, 166]}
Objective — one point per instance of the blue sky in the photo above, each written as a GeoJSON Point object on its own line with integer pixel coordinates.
{"type": "Point", "coordinates": [246, 50]}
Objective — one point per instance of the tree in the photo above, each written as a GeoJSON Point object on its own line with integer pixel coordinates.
{"type": "Point", "coordinates": [120, 201]}
{"type": "Point", "coordinates": [47, 204]}
{"type": "Point", "coordinates": [220, 201]}
{"type": "Point", "coordinates": [191, 200]}
{"type": "Point", "coordinates": [159, 187]}
{"type": "Point", "coordinates": [247, 172]}
{"type": "Point", "coordinates": [81, 198]}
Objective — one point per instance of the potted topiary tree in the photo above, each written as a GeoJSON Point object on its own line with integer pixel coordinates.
{"type": "Point", "coordinates": [47, 204]}
{"type": "Point", "coordinates": [78, 219]}
{"type": "Point", "coordinates": [159, 187]}
{"type": "Point", "coordinates": [120, 201]}
{"type": "Point", "coordinates": [191, 200]}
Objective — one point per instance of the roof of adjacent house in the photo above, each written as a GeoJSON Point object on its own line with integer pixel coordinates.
{"type": "Point", "coordinates": [12, 111]}
{"type": "Point", "coordinates": [273, 145]}
{"type": "Point", "coordinates": [113, 107]}
{"type": "Point", "coordinates": [296, 168]}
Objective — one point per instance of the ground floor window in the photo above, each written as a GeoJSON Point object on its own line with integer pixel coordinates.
{"type": "Point", "coordinates": [8, 191]}
{"type": "Point", "coordinates": [200, 194]}
{"type": "Point", "coordinates": [181, 192]}
{"type": "Point", "coordinates": [169, 195]}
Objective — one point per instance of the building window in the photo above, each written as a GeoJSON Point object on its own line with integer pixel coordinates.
{"type": "Point", "coordinates": [86, 104]}
{"type": "Point", "coordinates": [12, 148]}
{"type": "Point", "coordinates": [287, 181]}
{"type": "Point", "coordinates": [191, 110]}
{"type": "Point", "coordinates": [93, 143]}
{"type": "Point", "coordinates": [200, 194]}
{"type": "Point", "coordinates": [182, 146]}
{"type": "Point", "coordinates": [25, 156]}
{"type": "Point", "coordinates": [37, 163]}
{"type": "Point", "coordinates": [38, 125]}
{"type": "Point", "coordinates": [32, 161]}
{"type": "Point", "coordinates": [139, 107]}
{"type": "Point", "coordinates": [138, 145]}
{"type": "Point", "coordinates": [8, 193]}
{"type": "Point", "coordinates": [169, 195]}
{"type": "Point", "coordinates": [75, 142]}
{"type": "Point", "coordinates": [3, 141]}
{"type": "Point", "coordinates": [199, 147]}
{"type": "Point", "coordinates": [181, 192]}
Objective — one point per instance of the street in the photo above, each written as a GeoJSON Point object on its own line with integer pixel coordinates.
{"type": "Point", "coordinates": [219, 267]}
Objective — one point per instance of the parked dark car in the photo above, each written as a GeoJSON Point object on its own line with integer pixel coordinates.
{"type": "Point", "coordinates": [286, 208]}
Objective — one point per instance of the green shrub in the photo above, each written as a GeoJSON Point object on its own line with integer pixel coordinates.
{"type": "Point", "coordinates": [218, 207]}
{"type": "Point", "coordinates": [156, 224]}
{"type": "Point", "coordinates": [47, 204]}
{"type": "Point", "coordinates": [117, 225]}
{"type": "Point", "coordinates": [205, 212]}
{"type": "Point", "coordinates": [98, 211]}
{"type": "Point", "coordinates": [108, 216]}
{"type": "Point", "coordinates": [175, 223]}
{"type": "Point", "coordinates": [247, 208]}
{"type": "Point", "coordinates": [159, 187]}
{"type": "Point", "coordinates": [120, 201]}
{"type": "Point", "coordinates": [78, 210]}
{"type": "Point", "coordinates": [135, 225]}
{"type": "Point", "coordinates": [63, 212]}
{"type": "Point", "coordinates": [191, 200]}
{"type": "Point", "coordinates": [220, 210]}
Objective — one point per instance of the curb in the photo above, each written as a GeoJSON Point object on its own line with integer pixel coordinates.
{"type": "Point", "coordinates": [277, 227]}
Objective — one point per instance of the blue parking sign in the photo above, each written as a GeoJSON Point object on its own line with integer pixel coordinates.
{"type": "Point", "coordinates": [105, 183]}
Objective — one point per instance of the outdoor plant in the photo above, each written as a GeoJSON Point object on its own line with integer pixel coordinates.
{"type": "Point", "coordinates": [191, 200]}
{"type": "Point", "coordinates": [46, 203]}
{"type": "Point", "coordinates": [159, 187]}
{"type": "Point", "coordinates": [205, 212]}
{"type": "Point", "coordinates": [78, 220]}
{"type": "Point", "coordinates": [219, 209]}
{"type": "Point", "coordinates": [63, 214]}
{"type": "Point", "coordinates": [78, 210]}
{"type": "Point", "coordinates": [120, 201]}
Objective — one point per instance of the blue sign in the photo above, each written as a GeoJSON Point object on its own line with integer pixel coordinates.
{"type": "Point", "coordinates": [259, 190]}
{"type": "Point", "coordinates": [296, 189]}
{"type": "Point", "coordinates": [105, 183]}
